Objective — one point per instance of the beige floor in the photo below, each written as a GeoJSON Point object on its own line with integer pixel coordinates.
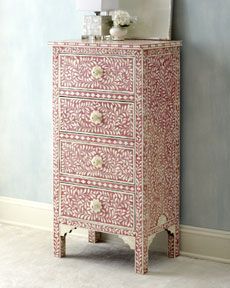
{"type": "Point", "coordinates": [27, 262]}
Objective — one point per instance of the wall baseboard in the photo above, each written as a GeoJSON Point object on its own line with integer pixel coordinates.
{"type": "Point", "coordinates": [26, 213]}
{"type": "Point", "coordinates": [195, 242]}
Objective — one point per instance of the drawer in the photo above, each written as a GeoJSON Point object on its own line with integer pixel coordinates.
{"type": "Point", "coordinates": [95, 161]}
{"type": "Point", "coordinates": [96, 72]}
{"type": "Point", "coordinates": [97, 117]}
{"type": "Point", "coordinates": [97, 205]}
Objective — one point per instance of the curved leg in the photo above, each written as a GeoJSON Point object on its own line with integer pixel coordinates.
{"type": "Point", "coordinates": [93, 236]}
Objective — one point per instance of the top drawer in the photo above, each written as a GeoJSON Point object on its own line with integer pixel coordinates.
{"type": "Point", "coordinates": [92, 72]}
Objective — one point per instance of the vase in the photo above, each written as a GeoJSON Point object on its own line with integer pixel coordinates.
{"type": "Point", "coordinates": [118, 33]}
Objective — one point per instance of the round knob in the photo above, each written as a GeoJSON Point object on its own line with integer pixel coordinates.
{"type": "Point", "coordinates": [97, 162]}
{"type": "Point", "coordinates": [97, 72]}
{"type": "Point", "coordinates": [95, 206]}
{"type": "Point", "coordinates": [96, 117]}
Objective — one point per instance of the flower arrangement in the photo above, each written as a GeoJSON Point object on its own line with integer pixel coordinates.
{"type": "Point", "coordinates": [122, 19]}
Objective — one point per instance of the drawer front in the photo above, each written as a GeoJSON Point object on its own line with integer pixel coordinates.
{"type": "Point", "coordinates": [96, 72]}
{"type": "Point", "coordinates": [97, 205]}
{"type": "Point", "coordinates": [101, 162]}
{"type": "Point", "coordinates": [97, 117]}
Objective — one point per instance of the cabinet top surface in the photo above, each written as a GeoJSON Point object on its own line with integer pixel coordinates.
{"type": "Point", "coordinates": [141, 44]}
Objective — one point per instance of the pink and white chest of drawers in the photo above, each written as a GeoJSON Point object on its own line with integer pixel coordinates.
{"type": "Point", "coordinates": [116, 142]}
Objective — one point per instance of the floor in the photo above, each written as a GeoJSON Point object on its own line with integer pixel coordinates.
{"type": "Point", "coordinates": [27, 262]}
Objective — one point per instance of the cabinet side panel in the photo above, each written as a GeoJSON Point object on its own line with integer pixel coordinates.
{"type": "Point", "coordinates": [161, 135]}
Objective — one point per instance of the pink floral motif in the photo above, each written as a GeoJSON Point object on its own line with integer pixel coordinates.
{"type": "Point", "coordinates": [143, 170]}
{"type": "Point", "coordinates": [117, 118]}
{"type": "Point", "coordinates": [76, 159]}
{"type": "Point", "coordinates": [161, 88]}
{"type": "Point", "coordinates": [97, 226]}
{"type": "Point", "coordinates": [117, 208]}
{"type": "Point", "coordinates": [76, 72]}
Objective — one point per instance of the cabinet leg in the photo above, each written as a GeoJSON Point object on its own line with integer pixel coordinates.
{"type": "Point", "coordinates": [141, 255]}
{"type": "Point", "coordinates": [60, 246]}
{"type": "Point", "coordinates": [174, 242]}
{"type": "Point", "coordinates": [93, 236]}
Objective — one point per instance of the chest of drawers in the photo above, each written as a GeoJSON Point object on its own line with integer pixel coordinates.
{"type": "Point", "coordinates": [116, 142]}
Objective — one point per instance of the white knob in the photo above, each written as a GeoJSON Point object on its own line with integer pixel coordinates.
{"type": "Point", "coordinates": [97, 162]}
{"type": "Point", "coordinates": [95, 206]}
{"type": "Point", "coordinates": [96, 117]}
{"type": "Point", "coordinates": [97, 72]}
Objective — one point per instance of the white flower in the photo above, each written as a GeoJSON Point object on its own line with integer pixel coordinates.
{"type": "Point", "coordinates": [121, 18]}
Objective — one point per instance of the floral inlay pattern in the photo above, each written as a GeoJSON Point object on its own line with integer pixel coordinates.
{"type": "Point", "coordinates": [76, 72]}
{"type": "Point", "coordinates": [76, 159]}
{"type": "Point", "coordinates": [144, 168]}
{"type": "Point", "coordinates": [117, 118]}
{"type": "Point", "coordinates": [116, 208]}
{"type": "Point", "coordinates": [162, 135]}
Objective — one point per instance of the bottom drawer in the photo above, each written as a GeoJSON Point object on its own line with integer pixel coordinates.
{"type": "Point", "coordinates": [97, 205]}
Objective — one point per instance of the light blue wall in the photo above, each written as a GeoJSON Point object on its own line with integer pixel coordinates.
{"type": "Point", "coordinates": [26, 26]}
{"type": "Point", "coordinates": [204, 27]}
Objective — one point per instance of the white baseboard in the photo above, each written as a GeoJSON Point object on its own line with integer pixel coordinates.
{"type": "Point", "coordinates": [195, 242]}
{"type": "Point", "coordinates": [26, 213]}
{"type": "Point", "coordinates": [204, 243]}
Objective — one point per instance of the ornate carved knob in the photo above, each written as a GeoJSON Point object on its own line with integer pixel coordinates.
{"type": "Point", "coordinates": [97, 162]}
{"type": "Point", "coordinates": [95, 206]}
{"type": "Point", "coordinates": [97, 72]}
{"type": "Point", "coordinates": [96, 117]}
